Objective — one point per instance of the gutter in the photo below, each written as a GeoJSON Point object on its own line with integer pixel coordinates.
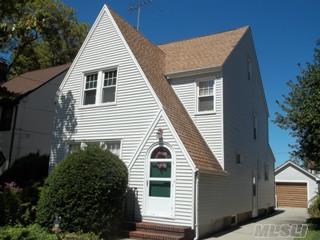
{"type": "Point", "coordinates": [13, 134]}
{"type": "Point", "coordinates": [196, 205]}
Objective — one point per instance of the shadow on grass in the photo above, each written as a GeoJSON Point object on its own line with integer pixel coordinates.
{"type": "Point", "coordinates": [314, 223]}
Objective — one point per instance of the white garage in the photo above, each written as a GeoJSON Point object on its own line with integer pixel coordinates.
{"type": "Point", "coordinates": [295, 186]}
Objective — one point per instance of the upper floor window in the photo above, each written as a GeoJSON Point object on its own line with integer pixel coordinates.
{"type": "Point", "coordinates": [109, 86]}
{"type": "Point", "coordinates": [100, 87]}
{"type": "Point", "coordinates": [266, 172]}
{"type": "Point", "coordinates": [249, 69]}
{"type": "Point", "coordinates": [6, 113]}
{"type": "Point", "coordinates": [206, 96]}
{"type": "Point", "coordinates": [90, 90]}
{"type": "Point", "coordinates": [238, 158]}
{"type": "Point", "coordinates": [255, 123]}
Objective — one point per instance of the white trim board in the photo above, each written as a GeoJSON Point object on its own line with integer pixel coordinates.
{"type": "Point", "coordinates": [290, 163]}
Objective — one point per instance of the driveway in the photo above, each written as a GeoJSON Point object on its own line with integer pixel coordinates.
{"type": "Point", "coordinates": [268, 229]}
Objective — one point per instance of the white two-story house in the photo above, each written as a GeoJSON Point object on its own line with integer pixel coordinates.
{"type": "Point", "coordinates": [188, 118]}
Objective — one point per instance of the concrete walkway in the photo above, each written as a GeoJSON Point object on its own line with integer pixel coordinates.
{"type": "Point", "coordinates": [268, 229]}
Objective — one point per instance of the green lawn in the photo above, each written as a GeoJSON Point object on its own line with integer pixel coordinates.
{"type": "Point", "coordinates": [311, 235]}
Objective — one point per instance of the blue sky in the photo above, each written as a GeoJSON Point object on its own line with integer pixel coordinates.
{"type": "Point", "coordinates": [284, 31]}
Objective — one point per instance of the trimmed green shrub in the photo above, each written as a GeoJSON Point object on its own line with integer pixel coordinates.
{"type": "Point", "coordinates": [35, 232]}
{"type": "Point", "coordinates": [32, 232]}
{"type": "Point", "coordinates": [27, 170]}
{"type": "Point", "coordinates": [80, 236]}
{"type": "Point", "coordinates": [86, 190]}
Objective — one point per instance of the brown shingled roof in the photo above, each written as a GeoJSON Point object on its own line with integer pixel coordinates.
{"type": "Point", "coordinates": [201, 52]}
{"type": "Point", "coordinates": [152, 61]}
{"type": "Point", "coordinates": [29, 81]}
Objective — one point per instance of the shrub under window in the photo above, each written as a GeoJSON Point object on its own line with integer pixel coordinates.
{"type": "Point", "coordinates": [86, 190]}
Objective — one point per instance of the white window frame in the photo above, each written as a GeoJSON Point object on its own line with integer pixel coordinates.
{"type": "Point", "coordinates": [198, 96]}
{"type": "Point", "coordinates": [83, 144]}
{"type": "Point", "coordinates": [90, 89]}
{"type": "Point", "coordinates": [100, 86]}
{"type": "Point", "coordinates": [103, 87]}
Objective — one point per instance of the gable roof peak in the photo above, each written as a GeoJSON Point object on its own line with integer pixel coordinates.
{"type": "Point", "coordinates": [152, 62]}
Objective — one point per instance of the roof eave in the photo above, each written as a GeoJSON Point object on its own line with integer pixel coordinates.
{"type": "Point", "coordinates": [193, 72]}
{"type": "Point", "coordinates": [283, 166]}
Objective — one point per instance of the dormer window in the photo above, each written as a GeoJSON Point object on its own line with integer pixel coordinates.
{"type": "Point", "coordinates": [206, 96]}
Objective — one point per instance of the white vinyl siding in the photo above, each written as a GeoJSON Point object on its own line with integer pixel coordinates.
{"type": "Point", "coordinates": [183, 179]}
{"type": "Point", "coordinates": [127, 120]}
{"type": "Point", "coordinates": [241, 100]}
{"type": "Point", "coordinates": [210, 125]}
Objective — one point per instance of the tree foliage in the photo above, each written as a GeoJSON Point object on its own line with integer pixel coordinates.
{"type": "Point", "coordinates": [38, 34]}
{"type": "Point", "coordinates": [301, 112]}
{"type": "Point", "coordinates": [6, 95]}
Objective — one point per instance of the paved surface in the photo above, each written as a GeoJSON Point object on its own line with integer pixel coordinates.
{"type": "Point", "coordinates": [248, 231]}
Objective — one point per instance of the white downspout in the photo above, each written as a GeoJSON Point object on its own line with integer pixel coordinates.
{"type": "Point", "coordinates": [196, 227]}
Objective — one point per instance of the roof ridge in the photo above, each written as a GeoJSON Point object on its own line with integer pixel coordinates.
{"type": "Point", "coordinates": [246, 27]}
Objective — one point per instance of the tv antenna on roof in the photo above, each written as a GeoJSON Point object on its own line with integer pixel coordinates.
{"type": "Point", "coordinates": [137, 7]}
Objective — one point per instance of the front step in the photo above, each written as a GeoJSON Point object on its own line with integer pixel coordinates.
{"type": "Point", "coordinates": [145, 230]}
{"type": "Point", "coordinates": [154, 235]}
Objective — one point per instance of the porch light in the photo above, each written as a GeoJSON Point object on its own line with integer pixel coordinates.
{"type": "Point", "coordinates": [160, 135]}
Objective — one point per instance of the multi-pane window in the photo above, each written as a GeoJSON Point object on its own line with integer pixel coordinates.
{"type": "Point", "coordinates": [112, 146]}
{"type": "Point", "coordinates": [160, 173]}
{"type": "Point", "coordinates": [73, 147]}
{"type": "Point", "coordinates": [206, 96]}
{"type": "Point", "coordinates": [100, 87]}
{"type": "Point", "coordinates": [109, 86]}
{"type": "Point", "coordinates": [90, 89]}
